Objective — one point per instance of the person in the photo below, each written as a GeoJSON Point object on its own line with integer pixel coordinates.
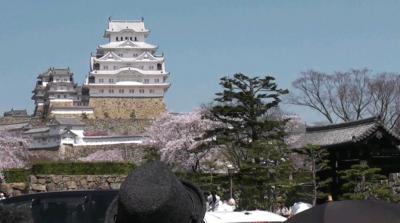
{"type": "Point", "coordinates": [2, 197]}
{"type": "Point", "coordinates": [213, 201]}
{"type": "Point", "coordinates": [152, 193]}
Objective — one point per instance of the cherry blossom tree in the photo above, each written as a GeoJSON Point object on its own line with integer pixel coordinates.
{"type": "Point", "coordinates": [177, 138]}
{"type": "Point", "coordinates": [113, 155]}
{"type": "Point", "coordinates": [13, 151]}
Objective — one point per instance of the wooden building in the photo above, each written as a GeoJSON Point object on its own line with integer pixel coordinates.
{"type": "Point", "coordinates": [363, 141]}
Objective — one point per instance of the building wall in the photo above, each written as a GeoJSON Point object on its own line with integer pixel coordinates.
{"type": "Point", "coordinates": [115, 108]}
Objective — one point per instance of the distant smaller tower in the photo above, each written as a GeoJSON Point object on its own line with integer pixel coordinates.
{"type": "Point", "coordinates": [55, 88]}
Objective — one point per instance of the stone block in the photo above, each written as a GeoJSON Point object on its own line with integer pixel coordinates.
{"type": "Point", "coordinates": [38, 187]}
{"type": "Point", "coordinates": [51, 187]}
{"type": "Point", "coordinates": [32, 179]}
{"type": "Point", "coordinates": [71, 185]}
{"type": "Point", "coordinates": [6, 188]}
{"type": "Point", "coordinates": [104, 186]}
{"type": "Point", "coordinates": [90, 178]}
{"type": "Point", "coordinates": [56, 178]}
{"type": "Point", "coordinates": [83, 182]}
{"type": "Point", "coordinates": [19, 186]}
{"type": "Point", "coordinates": [115, 186]}
{"type": "Point", "coordinates": [16, 193]}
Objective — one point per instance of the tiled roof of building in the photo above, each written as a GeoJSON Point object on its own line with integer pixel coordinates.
{"type": "Point", "coordinates": [37, 130]}
{"type": "Point", "coordinates": [335, 134]}
{"type": "Point", "coordinates": [128, 44]}
{"type": "Point", "coordinates": [14, 113]}
{"type": "Point", "coordinates": [61, 71]}
{"type": "Point", "coordinates": [15, 126]}
{"type": "Point", "coordinates": [55, 71]}
{"type": "Point", "coordinates": [119, 25]}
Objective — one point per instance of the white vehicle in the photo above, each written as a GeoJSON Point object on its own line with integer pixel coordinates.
{"type": "Point", "coordinates": [243, 217]}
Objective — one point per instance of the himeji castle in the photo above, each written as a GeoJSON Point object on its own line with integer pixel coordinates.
{"type": "Point", "coordinates": [127, 79]}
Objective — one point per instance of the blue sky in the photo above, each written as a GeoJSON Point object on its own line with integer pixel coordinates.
{"type": "Point", "coordinates": [202, 41]}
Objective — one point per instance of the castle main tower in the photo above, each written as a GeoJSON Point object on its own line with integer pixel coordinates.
{"type": "Point", "coordinates": [127, 79]}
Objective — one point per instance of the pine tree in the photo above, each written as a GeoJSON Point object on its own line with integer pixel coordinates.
{"type": "Point", "coordinates": [265, 178]}
{"type": "Point", "coordinates": [253, 138]}
{"type": "Point", "coordinates": [244, 108]}
{"type": "Point", "coordinates": [316, 162]}
{"type": "Point", "coordinates": [364, 182]}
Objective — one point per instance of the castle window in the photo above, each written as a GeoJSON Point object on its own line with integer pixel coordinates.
{"type": "Point", "coordinates": [101, 91]}
{"type": "Point", "coordinates": [135, 38]}
{"type": "Point", "coordinates": [58, 96]}
{"type": "Point", "coordinates": [156, 80]}
{"type": "Point", "coordinates": [151, 91]}
{"type": "Point", "coordinates": [146, 81]}
{"type": "Point", "coordinates": [121, 91]}
{"type": "Point", "coordinates": [115, 67]}
{"type": "Point", "coordinates": [116, 38]}
{"type": "Point", "coordinates": [131, 91]}
{"type": "Point", "coordinates": [151, 67]}
{"type": "Point", "coordinates": [111, 80]}
{"type": "Point", "coordinates": [105, 67]}
{"type": "Point", "coordinates": [159, 66]}
{"type": "Point", "coordinates": [135, 55]}
{"type": "Point", "coordinates": [126, 38]}
{"type": "Point", "coordinates": [92, 79]}
{"type": "Point", "coordinates": [130, 38]}
{"type": "Point", "coordinates": [65, 96]}
{"type": "Point", "coordinates": [101, 80]}
{"type": "Point", "coordinates": [141, 91]}
{"type": "Point", "coordinates": [111, 91]}
{"type": "Point", "coordinates": [120, 55]}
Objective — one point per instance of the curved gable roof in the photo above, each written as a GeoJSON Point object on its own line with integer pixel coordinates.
{"type": "Point", "coordinates": [349, 132]}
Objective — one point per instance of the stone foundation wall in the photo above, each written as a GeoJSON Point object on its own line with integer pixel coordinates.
{"type": "Point", "coordinates": [48, 183]}
{"type": "Point", "coordinates": [118, 126]}
{"type": "Point", "coordinates": [61, 104]}
{"type": "Point", "coordinates": [123, 108]}
{"type": "Point", "coordinates": [13, 189]}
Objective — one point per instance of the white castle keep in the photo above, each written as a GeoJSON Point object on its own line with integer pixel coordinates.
{"type": "Point", "coordinates": [126, 76]}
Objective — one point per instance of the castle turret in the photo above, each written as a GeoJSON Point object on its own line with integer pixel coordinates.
{"type": "Point", "coordinates": [55, 88]}
{"type": "Point", "coordinates": [126, 77]}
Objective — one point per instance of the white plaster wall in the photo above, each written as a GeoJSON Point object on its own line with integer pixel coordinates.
{"type": "Point", "coordinates": [140, 36]}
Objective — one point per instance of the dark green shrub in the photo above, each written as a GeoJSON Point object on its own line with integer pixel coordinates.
{"type": "Point", "coordinates": [16, 175]}
{"type": "Point", "coordinates": [81, 168]}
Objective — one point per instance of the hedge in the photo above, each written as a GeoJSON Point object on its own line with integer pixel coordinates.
{"type": "Point", "coordinates": [16, 175]}
{"type": "Point", "coordinates": [82, 168]}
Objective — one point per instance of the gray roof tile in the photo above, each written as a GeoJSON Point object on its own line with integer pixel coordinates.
{"type": "Point", "coordinates": [338, 133]}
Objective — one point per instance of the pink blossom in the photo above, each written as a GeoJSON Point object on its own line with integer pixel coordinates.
{"type": "Point", "coordinates": [13, 151]}
{"type": "Point", "coordinates": [176, 137]}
